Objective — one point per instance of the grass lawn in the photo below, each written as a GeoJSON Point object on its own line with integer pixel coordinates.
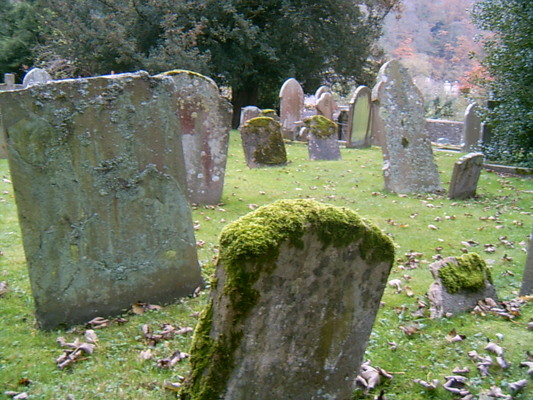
{"type": "Point", "coordinates": [404, 342]}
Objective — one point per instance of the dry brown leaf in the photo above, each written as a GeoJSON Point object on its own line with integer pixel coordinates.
{"type": "Point", "coordinates": [494, 348]}
{"type": "Point", "coordinates": [461, 371]}
{"type": "Point", "coordinates": [528, 364]}
{"type": "Point", "coordinates": [410, 330]}
{"type": "Point", "coordinates": [176, 357]}
{"type": "Point", "coordinates": [4, 287]}
{"type": "Point", "coordinates": [453, 337]}
{"type": "Point", "coordinates": [140, 308]}
{"type": "Point", "coordinates": [518, 385]}
{"type": "Point", "coordinates": [90, 336]}
{"type": "Point", "coordinates": [496, 392]}
{"type": "Point", "coordinates": [397, 283]}
{"type": "Point", "coordinates": [145, 355]}
{"type": "Point", "coordinates": [98, 323]}
{"type": "Point", "coordinates": [430, 386]}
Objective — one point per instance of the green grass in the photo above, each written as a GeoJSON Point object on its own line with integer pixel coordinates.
{"type": "Point", "coordinates": [502, 209]}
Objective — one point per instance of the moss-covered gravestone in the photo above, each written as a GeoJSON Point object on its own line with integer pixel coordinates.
{"type": "Point", "coordinates": [99, 181]}
{"type": "Point", "coordinates": [295, 294]}
{"type": "Point", "coordinates": [262, 142]}
{"type": "Point", "coordinates": [322, 142]}
{"type": "Point", "coordinates": [460, 282]}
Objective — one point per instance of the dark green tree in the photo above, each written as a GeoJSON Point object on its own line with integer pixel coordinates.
{"type": "Point", "coordinates": [509, 62]}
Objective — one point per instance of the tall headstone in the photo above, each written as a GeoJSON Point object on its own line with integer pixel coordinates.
{"type": "Point", "coordinates": [99, 179]}
{"type": "Point", "coordinates": [248, 113]}
{"type": "Point", "coordinates": [408, 158]}
{"type": "Point", "coordinates": [298, 286]}
{"type": "Point", "coordinates": [471, 129]}
{"type": "Point", "coordinates": [291, 103]}
{"type": "Point", "coordinates": [360, 119]}
{"type": "Point", "coordinates": [36, 76]}
{"type": "Point", "coordinates": [326, 106]}
{"type": "Point", "coordinates": [465, 176]}
{"type": "Point", "coordinates": [527, 277]}
{"type": "Point", "coordinates": [322, 142]}
{"type": "Point", "coordinates": [205, 124]}
{"type": "Point", "coordinates": [262, 143]}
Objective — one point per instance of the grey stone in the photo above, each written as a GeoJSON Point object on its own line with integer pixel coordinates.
{"type": "Point", "coordinates": [472, 129]}
{"type": "Point", "coordinates": [360, 119]}
{"type": "Point", "coordinates": [99, 181]}
{"type": "Point", "coordinates": [465, 176]}
{"type": "Point", "coordinates": [326, 105]}
{"type": "Point", "coordinates": [293, 304]}
{"type": "Point", "coordinates": [409, 166]}
{"type": "Point", "coordinates": [36, 76]}
{"type": "Point", "coordinates": [321, 90]}
{"type": "Point", "coordinates": [322, 141]}
{"type": "Point", "coordinates": [452, 131]}
{"type": "Point", "coordinates": [527, 277]}
{"type": "Point", "coordinates": [248, 113]}
{"type": "Point", "coordinates": [262, 143]}
{"type": "Point", "coordinates": [291, 103]}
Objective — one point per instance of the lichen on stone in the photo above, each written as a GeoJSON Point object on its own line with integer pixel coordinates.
{"type": "Point", "coordinates": [469, 273]}
{"type": "Point", "coordinates": [321, 126]}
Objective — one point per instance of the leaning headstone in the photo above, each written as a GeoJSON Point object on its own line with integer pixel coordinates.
{"type": "Point", "coordinates": [205, 124]}
{"type": "Point", "coordinates": [297, 288]}
{"type": "Point", "coordinates": [471, 129]}
{"type": "Point", "coordinates": [460, 282]}
{"type": "Point", "coordinates": [465, 176]}
{"type": "Point", "coordinates": [262, 143]}
{"type": "Point", "coordinates": [248, 113]}
{"type": "Point", "coordinates": [36, 76]}
{"type": "Point", "coordinates": [527, 277]}
{"type": "Point", "coordinates": [99, 181]}
{"type": "Point", "coordinates": [291, 103]}
{"type": "Point", "coordinates": [322, 142]}
{"type": "Point", "coordinates": [407, 155]}
{"type": "Point", "coordinates": [360, 119]}
{"type": "Point", "coordinates": [321, 90]}
{"type": "Point", "coordinates": [326, 106]}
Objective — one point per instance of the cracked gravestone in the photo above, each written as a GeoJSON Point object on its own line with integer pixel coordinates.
{"type": "Point", "coordinates": [262, 143]}
{"type": "Point", "coordinates": [322, 141]}
{"type": "Point", "coordinates": [465, 176]}
{"type": "Point", "coordinates": [291, 103]}
{"type": "Point", "coordinates": [360, 119]}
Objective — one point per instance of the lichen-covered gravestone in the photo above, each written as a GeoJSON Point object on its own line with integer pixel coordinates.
{"type": "Point", "coordinates": [465, 176]}
{"type": "Point", "coordinates": [296, 291]}
{"type": "Point", "coordinates": [291, 104]}
{"type": "Point", "coordinates": [460, 282]}
{"type": "Point", "coordinates": [326, 106]}
{"type": "Point", "coordinates": [262, 143]}
{"type": "Point", "coordinates": [471, 128]}
{"type": "Point", "coordinates": [360, 119]}
{"type": "Point", "coordinates": [322, 141]}
{"type": "Point", "coordinates": [99, 181]}
{"type": "Point", "coordinates": [248, 113]}
{"type": "Point", "coordinates": [205, 123]}
{"type": "Point", "coordinates": [407, 155]}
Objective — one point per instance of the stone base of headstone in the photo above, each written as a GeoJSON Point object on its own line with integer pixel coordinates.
{"type": "Point", "coordinates": [465, 176]}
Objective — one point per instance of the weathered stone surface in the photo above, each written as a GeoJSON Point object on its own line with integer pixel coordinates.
{"type": "Point", "coordinates": [205, 124]}
{"type": "Point", "coordinates": [262, 143]}
{"type": "Point", "coordinates": [342, 122]}
{"type": "Point", "coordinates": [460, 282]}
{"type": "Point", "coordinates": [322, 141]}
{"type": "Point", "coordinates": [360, 119]}
{"type": "Point", "coordinates": [378, 125]}
{"type": "Point", "coordinates": [527, 277]}
{"type": "Point", "coordinates": [99, 179]}
{"type": "Point", "coordinates": [326, 106]}
{"type": "Point", "coordinates": [321, 90]}
{"type": "Point", "coordinates": [465, 176]}
{"type": "Point", "coordinates": [270, 113]}
{"type": "Point", "coordinates": [472, 129]}
{"type": "Point", "coordinates": [297, 288]}
{"type": "Point", "coordinates": [291, 104]}
{"type": "Point", "coordinates": [36, 76]}
{"type": "Point", "coordinates": [248, 113]}
{"type": "Point", "coordinates": [408, 158]}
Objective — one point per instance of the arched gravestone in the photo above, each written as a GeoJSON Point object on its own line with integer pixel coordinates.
{"type": "Point", "coordinates": [205, 123]}
{"type": "Point", "coordinates": [322, 141]}
{"type": "Point", "coordinates": [99, 181]}
{"type": "Point", "coordinates": [291, 103]}
{"type": "Point", "coordinates": [326, 106]}
{"type": "Point", "coordinates": [321, 90]}
{"type": "Point", "coordinates": [471, 129]}
{"type": "Point", "coordinates": [36, 76]}
{"type": "Point", "coordinates": [360, 119]}
{"type": "Point", "coordinates": [248, 113]}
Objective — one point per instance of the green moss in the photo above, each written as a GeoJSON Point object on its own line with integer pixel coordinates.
{"type": "Point", "coordinates": [321, 126]}
{"type": "Point", "coordinates": [469, 274]}
{"type": "Point", "coordinates": [183, 71]}
{"type": "Point", "coordinates": [273, 152]}
{"type": "Point", "coordinates": [259, 122]}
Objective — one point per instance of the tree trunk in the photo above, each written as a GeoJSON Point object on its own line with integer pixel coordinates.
{"type": "Point", "coordinates": [246, 96]}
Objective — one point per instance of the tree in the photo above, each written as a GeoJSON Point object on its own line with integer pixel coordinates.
{"type": "Point", "coordinates": [509, 62]}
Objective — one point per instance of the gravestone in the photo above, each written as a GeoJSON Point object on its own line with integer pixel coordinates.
{"type": "Point", "coordinates": [322, 141]}
{"type": "Point", "coordinates": [342, 122]}
{"type": "Point", "coordinates": [460, 282]}
{"type": "Point", "coordinates": [407, 155]}
{"type": "Point", "coordinates": [465, 176]}
{"type": "Point", "coordinates": [248, 113]}
{"type": "Point", "coordinates": [99, 182]}
{"type": "Point", "coordinates": [527, 277]}
{"type": "Point", "coordinates": [291, 103]}
{"type": "Point", "coordinates": [471, 129]}
{"type": "Point", "coordinates": [270, 113]}
{"type": "Point", "coordinates": [262, 143]}
{"type": "Point", "coordinates": [326, 105]}
{"type": "Point", "coordinates": [36, 76]}
{"type": "Point", "coordinates": [297, 288]}
{"type": "Point", "coordinates": [321, 90]}
{"type": "Point", "coordinates": [205, 124]}
{"type": "Point", "coordinates": [377, 124]}
{"type": "Point", "coordinates": [360, 119]}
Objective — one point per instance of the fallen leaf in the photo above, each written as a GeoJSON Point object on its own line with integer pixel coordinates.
{"type": "Point", "coordinates": [455, 384]}
{"type": "Point", "coordinates": [140, 308]}
{"type": "Point", "coordinates": [397, 284]}
{"type": "Point", "coordinates": [528, 364]}
{"type": "Point", "coordinates": [172, 386]}
{"type": "Point", "coordinates": [145, 355]}
{"type": "Point", "coordinates": [410, 330]}
{"type": "Point", "coordinates": [176, 357]}
{"type": "Point", "coordinates": [494, 348]}
{"type": "Point", "coordinates": [497, 393]}
{"type": "Point", "coordinates": [502, 362]}
{"type": "Point", "coordinates": [461, 371]}
{"type": "Point", "coordinates": [90, 336]}
{"type": "Point", "coordinates": [433, 227]}
{"type": "Point", "coordinates": [453, 337]}
{"type": "Point", "coordinates": [430, 386]}
{"type": "Point", "coordinates": [4, 287]}
{"type": "Point", "coordinates": [518, 385]}
{"type": "Point", "coordinates": [98, 323]}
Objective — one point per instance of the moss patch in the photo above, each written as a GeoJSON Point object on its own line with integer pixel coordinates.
{"type": "Point", "coordinates": [259, 122]}
{"type": "Point", "coordinates": [321, 126]}
{"type": "Point", "coordinates": [470, 273]}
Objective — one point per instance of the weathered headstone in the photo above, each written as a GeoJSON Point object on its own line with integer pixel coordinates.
{"type": "Point", "coordinates": [360, 119]}
{"type": "Point", "coordinates": [297, 288]}
{"type": "Point", "coordinates": [342, 122]}
{"type": "Point", "coordinates": [408, 158]}
{"type": "Point", "coordinates": [471, 129]}
{"type": "Point", "coordinates": [527, 277]}
{"type": "Point", "coordinates": [322, 141]}
{"type": "Point", "coordinates": [262, 143]}
{"type": "Point", "coordinates": [465, 176]}
{"type": "Point", "coordinates": [205, 124]}
{"type": "Point", "coordinates": [326, 106]}
{"type": "Point", "coordinates": [36, 76]}
{"type": "Point", "coordinates": [460, 282]}
{"type": "Point", "coordinates": [321, 90]}
{"type": "Point", "coordinates": [99, 180]}
{"type": "Point", "coordinates": [377, 125]}
{"type": "Point", "coordinates": [270, 113]}
{"type": "Point", "coordinates": [248, 113]}
{"type": "Point", "coordinates": [291, 103]}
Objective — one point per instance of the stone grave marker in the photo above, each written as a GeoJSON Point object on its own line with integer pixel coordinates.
{"type": "Point", "coordinates": [321, 90]}
{"type": "Point", "coordinates": [460, 282]}
{"type": "Point", "coordinates": [465, 176]}
{"type": "Point", "coordinates": [326, 106]}
{"type": "Point", "coordinates": [291, 103]}
{"type": "Point", "coordinates": [205, 124]}
{"type": "Point", "coordinates": [248, 113]}
{"type": "Point", "coordinates": [262, 143]}
{"type": "Point", "coordinates": [36, 76]}
{"type": "Point", "coordinates": [298, 286]}
{"type": "Point", "coordinates": [471, 129]}
{"type": "Point", "coordinates": [322, 142]}
{"type": "Point", "coordinates": [99, 182]}
{"type": "Point", "coordinates": [527, 277]}
{"type": "Point", "coordinates": [342, 122]}
{"type": "Point", "coordinates": [408, 158]}
{"type": "Point", "coordinates": [360, 119]}
{"type": "Point", "coordinates": [270, 113]}
{"type": "Point", "coordinates": [377, 124]}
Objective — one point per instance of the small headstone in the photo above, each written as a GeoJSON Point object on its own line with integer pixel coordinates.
{"type": "Point", "coordinates": [326, 106]}
{"type": "Point", "coordinates": [297, 288]}
{"type": "Point", "coordinates": [321, 90]}
{"type": "Point", "coordinates": [262, 143]}
{"type": "Point", "coordinates": [409, 166]}
{"type": "Point", "coordinates": [342, 122]}
{"type": "Point", "coordinates": [291, 103]}
{"type": "Point", "coordinates": [248, 113]}
{"type": "Point", "coordinates": [527, 277]}
{"type": "Point", "coordinates": [99, 180]}
{"type": "Point", "coordinates": [465, 176]}
{"type": "Point", "coordinates": [360, 119]}
{"type": "Point", "coordinates": [205, 124]}
{"type": "Point", "coordinates": [471, 129]}
{"type": "Point", "coordinates": [36, 76]}
{"type": "Point", "coordinates": [460, 282]}
{"type": "Point", "coordinates": [322, 141]}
